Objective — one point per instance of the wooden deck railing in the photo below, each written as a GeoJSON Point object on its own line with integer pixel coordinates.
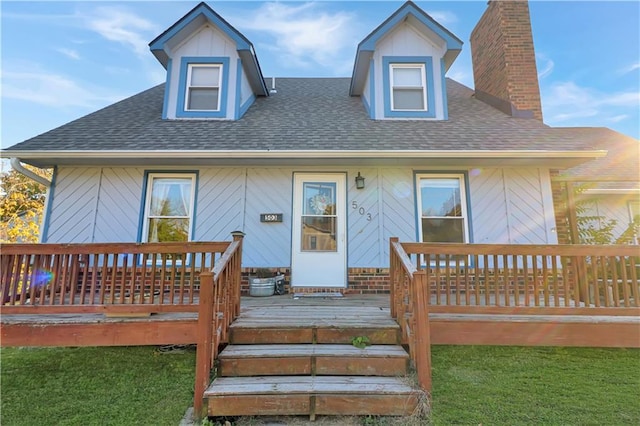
{"type": "Point", "coordinates": [500, 279]}
{"type": "Point", "coordinates": [220, 290]}
{"type": "Point", "coordinates": [121, 279]}
{"type": "Point", "coordinates": [115, 277]}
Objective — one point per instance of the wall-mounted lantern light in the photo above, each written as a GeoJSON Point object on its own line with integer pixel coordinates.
{"type": "Point", "coordinates": [359, 181]}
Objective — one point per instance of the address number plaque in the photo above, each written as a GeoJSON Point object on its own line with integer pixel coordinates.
{"type": "Point", "coordinates": [271, 217]}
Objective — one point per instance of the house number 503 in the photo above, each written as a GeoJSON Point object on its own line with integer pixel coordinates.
{"type": "Point", "coordinates": [361, 210]}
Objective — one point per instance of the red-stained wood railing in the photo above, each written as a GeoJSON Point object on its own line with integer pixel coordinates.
{"type": "Point", "coordinates": [123, 278]}
{"type": "Point", "coordinates": [410, 307]}
{"type": "Point", "coordinates": [541, 279]}
{"type": "Point", "coordinates": [111, 278]}
{"type": "Point", "coordinates": [219, 307]}
{"type": "Point", "coordinates": [551, 280]}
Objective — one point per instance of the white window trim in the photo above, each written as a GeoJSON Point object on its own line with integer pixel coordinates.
{"type": "Point", "coordinates": [423, 85]}
{"type": "Point", "coordinates": [187, 96]}
{"type": "Point", "coordinates": [463, 200]}
{"type": "Point", "coordinates": [147, 202]}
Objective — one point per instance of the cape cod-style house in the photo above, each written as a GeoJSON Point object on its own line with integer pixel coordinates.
{"type": "Point", "coordinates": [318, 172]}
{"type": "Point", "coordinates": [341, 184]}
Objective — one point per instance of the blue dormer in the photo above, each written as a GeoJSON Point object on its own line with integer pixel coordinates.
{"type": "Point", "coordinates": [212, 69]}
{"type": "Point", "coordinates": [400, 67]}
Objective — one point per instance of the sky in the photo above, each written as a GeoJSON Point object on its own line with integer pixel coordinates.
{"type": "Point", "coordinates": [63, 60]}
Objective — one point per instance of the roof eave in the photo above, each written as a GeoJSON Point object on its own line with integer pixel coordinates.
{"type": "Point", "coordinates": [367, 46]}
{"type": "Point", "coordinates": [477, 158]}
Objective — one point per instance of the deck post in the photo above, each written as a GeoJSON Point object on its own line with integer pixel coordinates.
{"type": "Point", "coordinates": [237, 273]}
{"type": "Point", "coordinates": [392, 278]}
{"type": "Point", "coordinates": [204, 343]}
{"type": "Point", "coordinates": [423, 330]}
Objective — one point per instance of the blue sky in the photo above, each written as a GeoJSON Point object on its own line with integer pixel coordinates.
{"type": "Point", "coordinates": [63, 60]}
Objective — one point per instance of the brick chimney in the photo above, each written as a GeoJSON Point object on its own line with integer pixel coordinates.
{"type": "Point", "coordinates": [504, 61]}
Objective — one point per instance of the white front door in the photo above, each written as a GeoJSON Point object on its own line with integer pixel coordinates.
{"type": "Point", "coordinates": [319, 255]}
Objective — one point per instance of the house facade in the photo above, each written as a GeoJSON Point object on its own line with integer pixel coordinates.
{"type": "Point", "coordinates": [318, 173]}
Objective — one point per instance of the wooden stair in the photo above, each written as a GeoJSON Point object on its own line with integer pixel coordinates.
{"type": "Point", "coordinates": [281, 366]}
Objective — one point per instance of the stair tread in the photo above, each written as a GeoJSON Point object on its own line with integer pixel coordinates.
{"type": "Point", "coordinates": [325, 350]}
{"type": "Point", "coordinates": [271, 385]}
{"type": "Point", "coordinates": [313, 322]}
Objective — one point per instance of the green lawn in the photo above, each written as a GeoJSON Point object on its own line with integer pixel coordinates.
{"type": "Point", "coordinates": [535, 386]}
{"type": "Point", "coordinates": [91, 386]}
{"type": "Point", "coordinates": [472, 386]}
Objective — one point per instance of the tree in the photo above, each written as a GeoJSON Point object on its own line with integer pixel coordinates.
{"type": "Point", "coordinates": [21, 205]}
{"type": "Point", "coordinates": [594, 228]}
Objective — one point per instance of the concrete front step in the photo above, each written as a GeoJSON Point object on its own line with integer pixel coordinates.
{"type": "Point", "coordinates": [308, 395]}
{"type": "Point", "coordinates": [309, 359]}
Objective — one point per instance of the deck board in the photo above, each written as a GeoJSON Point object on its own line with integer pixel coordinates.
{"type": "Point", "coordinates": [362, 385]}
{"type": "Point", "coordinates": [285, 350]}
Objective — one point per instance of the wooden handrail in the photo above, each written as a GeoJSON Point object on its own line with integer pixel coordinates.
{"type": "Point", "coordinates": [219, 306]}
{"type": "Point", "coordinates": [506, 279]}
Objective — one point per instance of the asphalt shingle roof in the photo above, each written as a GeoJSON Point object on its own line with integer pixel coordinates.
{"type": "Point", "coordinates": [622, 161]}
{"type": "Point", "coordinates": [305, 114]}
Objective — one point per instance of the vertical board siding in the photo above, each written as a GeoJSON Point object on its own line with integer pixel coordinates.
{"type": "Point", "coordinates": [118, 214]}
{"type": "Point", "coordinates": [220, 203]}
{"type": "Point", "coordinates": [405, 41]}
{"type": "Point", "coordinates": [363, 220]}
{"type": "Point", "coordinates": [527, 219]}
{"type": "Point", "coordinates": [398, 207]}
{"type": "Point", "coordinates": [488, 205]}
{"type": "Point", "coordinates": [73, 207]}
{"type": "Point", "coordinates": [205, 43]}
{"type": "Point", "coordinates": [269, 190]}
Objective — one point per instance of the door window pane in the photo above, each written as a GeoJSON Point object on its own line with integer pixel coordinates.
{"type": "Point", "coordinates": [319, 198]}
{"type": "Point", "coordinates": [319, 234]}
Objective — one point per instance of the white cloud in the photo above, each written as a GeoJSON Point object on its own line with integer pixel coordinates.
{"type": "Point", "coordinates": [122, 26]}
{"type": "Point", "coordinates": [443, 17]}
{"type": "Point", "coordinates": [49, 89]}
{"type": "Point", "coordinates": [544, 65]}
{"type": "Point", "coordinates": [305, 35]}
{"type": "Point", "coordinates": [564, 102]}
{"type": "Point", "coordinates": [630, 68]}
{"type": "Point", "coordinates": [69, 53]}
{"type": "Point", "coordinates": [618, 118]}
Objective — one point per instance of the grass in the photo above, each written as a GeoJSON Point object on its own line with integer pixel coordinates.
{"type": "Point", "coordinates": [472, 385]}
{"type": "Point", "coordinates": [535, 386]}
{"type": "Point", "coordinates": [91, 386]}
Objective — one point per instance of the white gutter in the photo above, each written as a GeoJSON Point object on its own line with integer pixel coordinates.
{"type": "Point", "coordinates": [17, 166]}
{"type": "Point", "coordinates": [306, 154]}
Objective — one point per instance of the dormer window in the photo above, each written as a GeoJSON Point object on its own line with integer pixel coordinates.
{"type": "Point", "coordinates": [408, 89]}
{"type": "Point", "coordinates": [408, 86]}
{"type": "Point", "coordinates": [203, 87]}
{"type": "Point", "coordinates": [203, 91]}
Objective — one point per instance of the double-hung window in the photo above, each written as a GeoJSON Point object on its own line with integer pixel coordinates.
{"type": "Point", "coordinates": [408, 88]}
{"type": "Point", "coordinates": [442, 208]}
{"type": "Point", "coordinates": [203, 87]}
{"type": "Point", "coordinates": [169, 203]}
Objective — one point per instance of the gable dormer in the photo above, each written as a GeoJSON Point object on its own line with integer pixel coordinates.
{"type": "Point", "coordinates": [400, 67]}
{"type": "Point", "coordinates": [212, 69]}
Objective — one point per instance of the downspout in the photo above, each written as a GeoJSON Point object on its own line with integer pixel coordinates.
{"type": "Point", "coordinates": [17, 165]}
